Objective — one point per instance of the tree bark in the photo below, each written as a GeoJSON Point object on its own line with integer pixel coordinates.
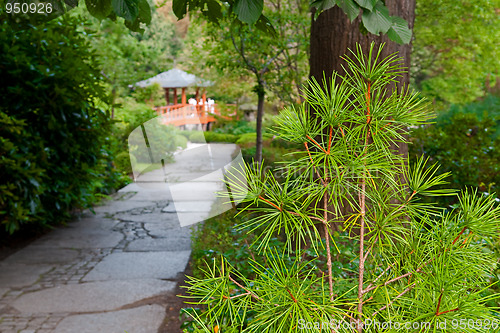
{"type": "Point", "coordinates": [260, 113]}
{"type": "Point", "coordinates": [332, 35]}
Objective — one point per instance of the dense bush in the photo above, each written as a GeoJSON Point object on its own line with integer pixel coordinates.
{"type": "Point", "coordinates": [54, 152]}
{"type": "Point", "coordinates": [202, 137]}
{"type": "Point", "coordinates": [123, 162]}
{"type": "Point", "coordinates": [197, 137]}
{"type": "Point", "coordinates": [465, 141]}
{"type": "Point", "coordinates": [234, 127]}
{"type": "Point", "coordinates": [220, 137]}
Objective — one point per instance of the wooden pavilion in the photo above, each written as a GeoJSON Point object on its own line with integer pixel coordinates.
{"type": "Point", "coordinates": [183, 113]}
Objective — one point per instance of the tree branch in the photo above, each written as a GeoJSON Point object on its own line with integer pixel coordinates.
{"type": "Point", "coordinates": [410, 287]}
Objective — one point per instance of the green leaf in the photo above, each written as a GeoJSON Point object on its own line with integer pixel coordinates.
{"type": "Point", "coordinates": [143, 17]}
{"type": "Point", "coordinates": [249, 11]}
{"type": "Point", "coordinates": [399, 32]}
{"type": "Point", "coordinates": [214, 12]}
{"type": "Point", "coordinates": [378, 20]}
{"type": "Point", "coordinates": [144, 12]}
{"type": "Point", "coordinates": [180, 8]}
{"type": "Point", "coordinates": [128, 9]}
{"type": "Point", "coordinates": [265, 25]}
{"type": "Point", "coordinates": [321, 5]}
{"type": "Point", "coordinates": [350, 8]}
{"type": "Point", "coordinates": [99, 8]}
{"type": "Point", "coordinates": [71, 3]}
{"type": "Point", "coordinates": [368, 4]}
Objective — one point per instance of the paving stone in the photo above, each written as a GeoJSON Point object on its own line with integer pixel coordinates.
{"type": "Point", "coordinates": [20, 275]}
{"type": "Point", "coordinates": [160, 244]}
{"type": "Point", "coordinates": [161, 230]}
{"type": "Point", "coordinates": [92, 296]}
{"type": "Point", "coordinates": [42, 255]}
{"type": "Point", "coordinates": [84, 234]}
{"type": "Point", "coordinates": [139, 265]}
{"type": "Point", "coordinates": [145, 319]}
{"type": "Point", "coordinates": [163, 218]}
{"type": "Point", "coordinates": [113, 207]}
{"type": "Point", "coordinates": [188, 207]}
{"type": "Point", "coordinates": [3, 291]}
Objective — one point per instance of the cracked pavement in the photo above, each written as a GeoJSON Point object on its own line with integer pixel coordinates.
{"type": "Point", "coordinates": [109, 271]}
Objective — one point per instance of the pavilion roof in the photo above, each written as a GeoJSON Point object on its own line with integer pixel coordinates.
{"type": "Point", "coordinates": [175, 78]}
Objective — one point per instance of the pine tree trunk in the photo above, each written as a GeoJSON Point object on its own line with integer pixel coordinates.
{"type": "Point", "coordinates": [332, 35]}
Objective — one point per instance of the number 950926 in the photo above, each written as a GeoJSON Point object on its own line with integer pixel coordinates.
{"type": "Point", "coordinates": [28, 8]}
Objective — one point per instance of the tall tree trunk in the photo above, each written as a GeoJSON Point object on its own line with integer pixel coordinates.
{"type": "Point", "coordinates": [259, 89]}
{"type": "Point", "coordinates": [332, 34]}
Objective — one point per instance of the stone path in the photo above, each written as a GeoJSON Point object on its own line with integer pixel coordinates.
{"type": "Point", "coordinates": [103, 272]}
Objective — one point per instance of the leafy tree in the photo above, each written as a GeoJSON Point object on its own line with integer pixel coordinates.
{"type": "Point", "coordinates": [136, 13]}
{"type": "Point", "coordinates": [456, 49]}
{"type": "Point", "coordinates": [375, 16]}
{"type": "Point", "coordinates": [268, 57]}
{"type": "Point", "coordinates": [416, 262]}
{"type": "Point", "coordinates": [127, 57]}
{"type": "Point", "coordinates": [337, 26]}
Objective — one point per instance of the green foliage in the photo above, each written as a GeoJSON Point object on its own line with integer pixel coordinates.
{"type": "Point", "coordinates": [136, 13]}
{"type": "Point", "coordinates": [238, 50]}
{"type": "Point", "coordinates": [416, 262]}
{"type": "Point", "coordinates": [466, 142]}
{"type": "Point", "coordinates": [197, 137]}
{"type": "Point", "coordinates": [126, 57]}
{"type": "Point", "coordinates": [54, 154]}
{"type": "Point", "coordinates": [375, 15]}
{"type": "Point", "coordinates": [234, 127]}
{"type": "Point", "coordinates": [202, 137]}
{"type": "Point", "coordinates": [455, 49]}
{"type": "Point", "coordinates": [123, 162]}
{"type": "Point", "coordinates": [180, 140]}
{"type": "Point", "coordinates": [249, 138]}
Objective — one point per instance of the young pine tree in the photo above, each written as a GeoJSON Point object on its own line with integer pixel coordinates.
{"type": "Point", "coordinates": [419, 267]}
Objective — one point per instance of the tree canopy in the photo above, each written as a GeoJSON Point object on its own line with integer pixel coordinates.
{"type": "Point", "coordinates": [375, 16]}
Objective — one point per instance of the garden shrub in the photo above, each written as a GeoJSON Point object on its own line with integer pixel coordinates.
{"type": "Point", "coordinates": [123, 162]}
{"type": "Point", "coordinates": [54, 153]}
{"type": "Point", "coordinates": [466, 142]}
{"type": "Point", "coordinates": [250, 138]}
{"type": "Point", "coordinates": [128, 116]}
{"type": "Point", "coordinates": [208, 136]}
{"type": "Point", "coordinates": [197, 137]}
{"type": "Point", "coordinates": [185, 133]}
{"type": "Point", "coordinates": [220, 137]}
{"type": "Point", "coordinates": [237, 127]}
{"type": "Point", "coordinates": [180, 141]}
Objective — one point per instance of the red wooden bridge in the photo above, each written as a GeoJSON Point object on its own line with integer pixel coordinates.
{"type": "Point", "coordinates": [184, 114]}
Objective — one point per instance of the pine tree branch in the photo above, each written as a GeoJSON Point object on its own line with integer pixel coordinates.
{"type": "Point", "coordinates": [361, 255]}
{"type": "Point", "coordinates": [245, 289]}
{"type": "Point", "coordinates": [410, 287]}
{"type": "Point", "coordinates": [317, 144]}
{"type": "Point", "coordinates": [314, 167]}
{"type": "Point", "coordinates": [327, 241]}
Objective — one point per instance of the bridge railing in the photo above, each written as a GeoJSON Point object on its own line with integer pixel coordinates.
{"type": "Point", "coordinates": [183, 114]}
